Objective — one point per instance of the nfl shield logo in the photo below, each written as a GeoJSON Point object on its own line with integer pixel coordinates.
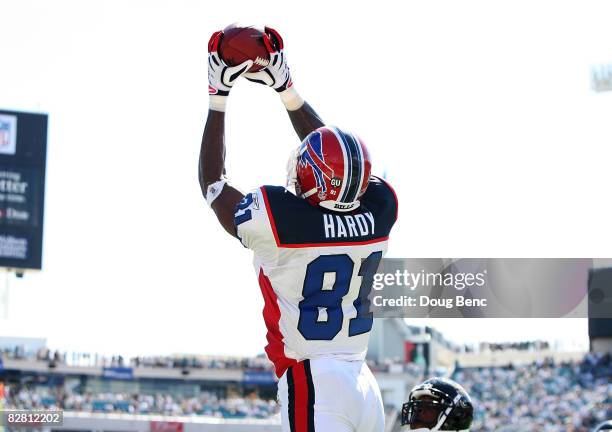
{"type": "Point", "coordinates": [8, 134]}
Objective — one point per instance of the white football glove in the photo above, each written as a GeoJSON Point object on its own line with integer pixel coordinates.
{"type": "Point", "coordinates": [276, 74]}
{"type": "Point", "coordinates": [222, 77]}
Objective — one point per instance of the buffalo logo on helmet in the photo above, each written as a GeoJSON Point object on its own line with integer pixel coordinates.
{"type": "Point", "coordinates": [311, 155]}
{"type": "Point", "coordinates": [331, 169]}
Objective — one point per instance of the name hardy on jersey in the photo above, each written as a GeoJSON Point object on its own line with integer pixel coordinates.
{"type": "Point", "coordinates": [338, 226]}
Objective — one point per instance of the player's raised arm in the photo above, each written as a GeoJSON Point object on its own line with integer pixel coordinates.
{"type": "Point", "coordinates": [218, 193]}
{"type": "Point", "coordinates": [278, 76]}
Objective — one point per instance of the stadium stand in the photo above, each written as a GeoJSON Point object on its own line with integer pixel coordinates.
{"type": "Point", "coordinates": [543, 396]}
{"type": "Point", "coordinates": [205, 404]}
{"type": "Point", "coordinates": [553, 393]}
{"type": "Point", "coordinates": [168, 362]}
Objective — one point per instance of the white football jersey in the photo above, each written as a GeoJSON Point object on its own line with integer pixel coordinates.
{"type": "Point", "coordinates": [315, 270]}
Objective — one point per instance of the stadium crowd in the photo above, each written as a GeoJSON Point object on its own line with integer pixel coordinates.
{"type": "Point", "coordinates": [208, 362]}
{"type": "Point", "coordinates": [205, 403]}
{"type": "Point", "coordinates": [541, 397]}
{"type": "Point", "coordinates": [515, 346]}
{"type": "Point", "coordinates": [171, 362]}
{"type": "Point", "coordinates": [481, 347]}
{"type": "Point", "coordinates": [211, 362]}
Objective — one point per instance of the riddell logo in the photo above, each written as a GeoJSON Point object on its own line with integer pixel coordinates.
{"type": "Point", "coordinates": [343, 206]}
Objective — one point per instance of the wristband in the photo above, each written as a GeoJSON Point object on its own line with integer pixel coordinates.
{"type": "Point", "coordinates": [214, 190]}
{"type": "Point", "coordinates": [291, 99]}
{"type": "Point", "coordinates": [217, 103]}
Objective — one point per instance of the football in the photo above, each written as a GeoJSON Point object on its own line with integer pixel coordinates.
{"type": "Point", "coordinates": [240, 43]}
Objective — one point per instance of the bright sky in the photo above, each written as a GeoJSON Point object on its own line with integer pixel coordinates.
{"type": "Point", "coordinates": [479, 111]}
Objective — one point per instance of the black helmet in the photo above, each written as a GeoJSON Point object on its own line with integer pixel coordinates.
{"type": "Point", "coordinates": [605, 426]}
{"type": "Point", "coordinates": [438, 404]}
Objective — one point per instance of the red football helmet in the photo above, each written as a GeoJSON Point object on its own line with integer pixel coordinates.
{"type": "Point", "coordinates": [331, 168]}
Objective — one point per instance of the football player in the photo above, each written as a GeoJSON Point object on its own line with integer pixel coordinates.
{"type": "Point", "coordinates": [316, 249]}
{"type": "Point", "coordinates": [438, 404]}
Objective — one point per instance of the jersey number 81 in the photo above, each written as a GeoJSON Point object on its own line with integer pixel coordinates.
{"type": "Point", "coordinates": [316, 298]}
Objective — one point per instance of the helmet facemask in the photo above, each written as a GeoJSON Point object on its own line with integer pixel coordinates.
{"type": "Point", "coordinates": [427, 412]}
{"type": "Point", "coordinates": [438, 405]}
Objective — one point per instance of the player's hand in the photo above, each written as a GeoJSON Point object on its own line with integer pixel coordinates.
{"type": "Point", "coordinates": [276, 74]}
{"type": "Point", "coordinates": [222, 77]}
